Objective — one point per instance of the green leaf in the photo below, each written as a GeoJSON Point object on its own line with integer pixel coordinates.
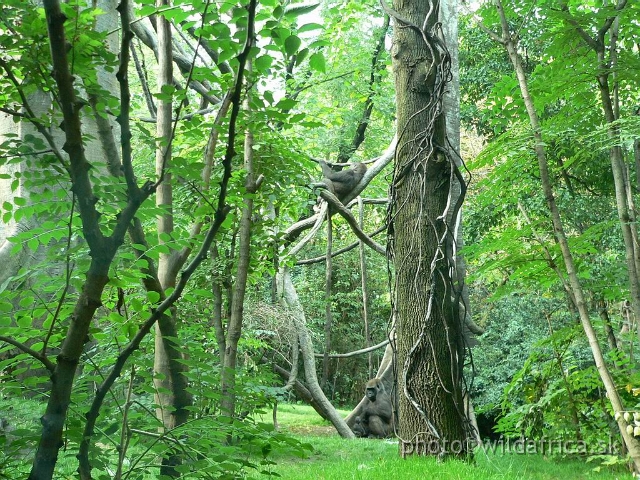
{"type": "Point", "coordinates": [147, 10]}
{"type": "Point", "coordinates": [226, 54]}
{"type": "Point", "coordinates": [136, 305]}
{"type": "Point", "coordinates": [153, 297]}
{"type": "Point", "coordinates": [5, 307]}
{"type": "Point", "coordinates": [24, 322]}
{"type": "Point", "coordinates": [286, 104]}
{"type": "Point", "coordinates": [317, 62]}
{"type": "Point", "coordinates": [176, 14]}
{"type": "Point", "coordinates": [202, 292]}
{"type": "Point", "coordinates": [33, 244]}
{"type": "Point", "coordinates": [166, 93]}
{"type": "Point", "coordinates": [309, 27]}
{"type": "Point", "coordinates": [293, 11]}
{"type": "Point", "coordinates": [302, 54]}
{"type": "Point", "coordinates": [292, 44]}
{"type": "Point", "coordinates": [263, 62]}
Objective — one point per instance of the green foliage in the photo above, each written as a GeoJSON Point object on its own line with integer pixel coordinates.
{"type": "Point", "coordinates": [548, 386]}
{"type": "Point", "coordinates": [513, 324]}
{"type": "Point", "coordinates": [557, 393]}
{"type": "Point", "coordinates": [340, 69]}
{"type": "Point", "coordinates": [129, 415]}
{"type": "Point", "coordinates": [37, 302]}
{"type": "Point", "coordinates": [307, 98]}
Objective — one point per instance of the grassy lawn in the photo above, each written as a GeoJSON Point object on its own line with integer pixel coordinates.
{"type": "Point", "coordinates": [339, 459]}
{"type": "Point", "coordinates": [335, 458]}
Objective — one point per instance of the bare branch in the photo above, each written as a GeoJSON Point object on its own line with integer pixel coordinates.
{"type": "Point", "coordinates": [356, 352]}
{"type": "Point", "coordinates": [335, 253]}
{"type": "Point", "coordinates": [37, 355]}
{"type": "Point", "coordinates": [351, 220]}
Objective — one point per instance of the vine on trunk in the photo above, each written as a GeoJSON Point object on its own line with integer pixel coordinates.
{"type": "Point", "coordinates": [426, 169]}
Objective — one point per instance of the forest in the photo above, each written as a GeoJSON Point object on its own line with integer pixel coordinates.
{"type": "Point", "coordinates": [319, 239]}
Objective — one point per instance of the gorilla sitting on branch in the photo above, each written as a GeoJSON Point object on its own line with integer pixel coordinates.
{"type": "Point", "coordinates": [343, 182]}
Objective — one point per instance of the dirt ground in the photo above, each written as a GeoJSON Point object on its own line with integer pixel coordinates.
{"type": "Point", "coordinates": [312, 430]}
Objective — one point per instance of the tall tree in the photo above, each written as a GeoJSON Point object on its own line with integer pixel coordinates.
{"type": "Point", "coordinates": [234, 328]}
{"type": "Point", "coordinates": [605, 45]}
{"type": "Point", "coordinates": [509, 41]}
{"type": "Point", "coordinates": [430, 346]}
{"type": "Point", "coordinates": [94, 194]}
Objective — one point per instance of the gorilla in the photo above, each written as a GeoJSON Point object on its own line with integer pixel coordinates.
{"type": "Point", "coordinates": [376, 418]}
{"type": "Point", "coordinates": [343, 182]}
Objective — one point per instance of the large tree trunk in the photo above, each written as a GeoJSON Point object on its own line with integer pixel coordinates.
{"type": "Point", "coordinates": [430, 346]}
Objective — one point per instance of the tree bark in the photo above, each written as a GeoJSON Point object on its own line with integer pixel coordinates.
{"type": "Point", "coordinates": [430, 345]}
{"type": "Point", "coordinates": [301, 391]}
{"type": "Point", "coordinates": [172, 397]}
{"type": "Point", "coordinates": [328, 319]}
{"type": "Point", "coordinates": [365, 292]}
{"type": "Point", "coordinates": [218, 301]}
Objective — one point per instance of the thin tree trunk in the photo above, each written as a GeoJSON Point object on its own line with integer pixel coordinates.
{"type": "Point", "coordinates": [234, 329]}
{"type": "Point", "coordinates": [365, 292]}
{"type": "Point", "coordinates": [289, 297]}
{"type": "Point", "coordinates": [636, 156]}
{"type": "Point", "coordinates": [607, 71]}
{"type": "Point", "coordinates": [327, 299]}
{"type": "Point", "coordinates": [603, 311]}
{"type": "Point", "coordinates": [508, 42]}
{"type": "Point", "coordinates": [66, 366]}
{"type": "Point", "coordinates": [102, 250]}
{"type": "Point", "coordinates": [216, 286]}
{"type": "Point", "coordinates": [170, 379]}
{"type": "Point", "coordinates": [633, 217]}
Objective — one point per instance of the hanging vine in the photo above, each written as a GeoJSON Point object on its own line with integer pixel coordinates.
{"type": "Point", "coordinates": [425, 164]}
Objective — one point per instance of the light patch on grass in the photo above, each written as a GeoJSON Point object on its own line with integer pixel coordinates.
{"type": "Point", "coordinates": [291, 414]}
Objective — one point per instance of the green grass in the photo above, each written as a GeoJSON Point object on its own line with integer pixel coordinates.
{"type": "Point", "coordinates": [335, 458]}
{"type": "Point", "coordinates": [339, 459]}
